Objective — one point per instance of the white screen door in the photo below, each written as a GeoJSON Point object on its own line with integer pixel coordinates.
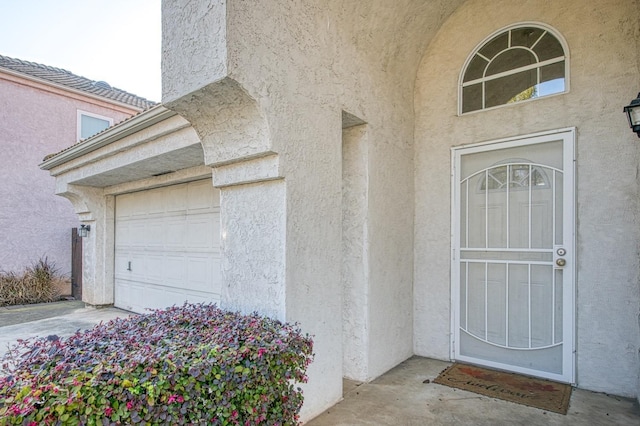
{"type": "Point", "coordinates": [513, 255]}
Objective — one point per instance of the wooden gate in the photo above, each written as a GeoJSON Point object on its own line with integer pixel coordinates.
{"type": "Point", "coordinates": [76, 264]}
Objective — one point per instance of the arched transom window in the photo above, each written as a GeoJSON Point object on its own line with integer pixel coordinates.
{"type": "Point", "coordinates": [517, 64]}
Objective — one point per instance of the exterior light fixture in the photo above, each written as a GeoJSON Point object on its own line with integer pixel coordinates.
{"type": "Point", "coordinates": [633, 115]}
{"type": "Point", "coordinates": [84, 230]}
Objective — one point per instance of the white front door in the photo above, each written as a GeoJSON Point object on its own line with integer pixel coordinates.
{"type": "Point", "coordinates": [513, 255]}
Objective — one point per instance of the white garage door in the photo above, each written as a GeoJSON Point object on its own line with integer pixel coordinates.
{"type": "Point", "coordinates": [167, 246]}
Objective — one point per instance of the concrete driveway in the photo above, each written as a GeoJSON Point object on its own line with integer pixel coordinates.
{"type": "Point", "coordinates": [45, 319]}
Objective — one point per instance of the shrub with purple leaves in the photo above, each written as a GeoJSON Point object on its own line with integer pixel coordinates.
{"type": "Point", "coordinates": [194, 364]}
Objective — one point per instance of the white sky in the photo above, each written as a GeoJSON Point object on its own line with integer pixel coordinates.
{"type": "Point", "coordinates": [118, 41]}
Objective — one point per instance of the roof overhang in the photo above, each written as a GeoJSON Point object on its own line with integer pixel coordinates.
{"type": "Point", "coordinates": [119, 131]}
{"type": "Point", "coordinates": [155, 142]}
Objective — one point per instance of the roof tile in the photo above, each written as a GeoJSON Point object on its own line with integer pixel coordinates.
{"type": "Point", "coordinates": [66, 78]}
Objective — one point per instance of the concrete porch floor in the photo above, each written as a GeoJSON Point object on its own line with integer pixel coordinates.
{"type": "Point", "coordinates": [400, 397]}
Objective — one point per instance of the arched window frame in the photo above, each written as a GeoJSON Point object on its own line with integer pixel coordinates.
{"type": "Point", "coordinates": [484, 42]}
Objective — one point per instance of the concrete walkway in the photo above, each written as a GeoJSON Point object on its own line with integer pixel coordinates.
{"type": "Point", "coordinates": [60, 318]}
{"type": "Point", "coordinates": [403, 397]}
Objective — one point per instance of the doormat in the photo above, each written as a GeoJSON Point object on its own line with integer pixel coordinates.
{"type": "Point", "coordinates": [538, 393]}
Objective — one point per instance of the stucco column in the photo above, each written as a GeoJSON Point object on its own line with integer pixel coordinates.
{"type": "Point", "coordinates": [96, 210]}
{"type": "Point", "coordinates": [237, 145]}
{"type": "Point", "coordinates": [275, 154]}
{"type": "Point", "coordinates": [355, 253]}
{"type": "Point", "coordinates": [253, 220]}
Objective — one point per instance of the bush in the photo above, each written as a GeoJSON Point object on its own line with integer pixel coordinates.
{"type": "Point", "coordinates": [194, 364]}
{"type": "Point", "coordinates": [41, 282]}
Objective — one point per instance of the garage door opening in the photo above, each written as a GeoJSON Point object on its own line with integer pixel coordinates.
{"type": "Point", "coordinates": [167, 246]}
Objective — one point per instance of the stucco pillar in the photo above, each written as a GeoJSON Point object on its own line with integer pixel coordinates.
{"type": "Point", "coordinates": [355, 253]}
{"type": "Point", "coordinates": [237, 145]}
{"type": "Point", "coordinates": [279, 180]}
{"type": "Point", "coordinates": [96, 210]}
{"type": "Point", "coordinates": [253, 220]}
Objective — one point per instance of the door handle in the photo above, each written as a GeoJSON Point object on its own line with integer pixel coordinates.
{"type": "Point", "coordinates": [561, 262]}
{"type": "Point", "coordinates": [129, 266]}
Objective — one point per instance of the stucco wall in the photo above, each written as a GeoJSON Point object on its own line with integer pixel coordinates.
{"type": "Point", "coordinates": [251, 214]}
{"type": "Point", "coordinates": [304, 63]}
{"type": "Point", "coordinates": [604, 75]}
{"type": "Point", "coordinates": [198, 28]}
{"type": "Point", "coordinates": [290, 68]}
{"type": "Point", "coordinates": [355, 251]}
{"type": "Point", "coordinates": [34, 222]}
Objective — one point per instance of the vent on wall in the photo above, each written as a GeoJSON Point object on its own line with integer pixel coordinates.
{"type": "Point", "coordinates": [162, 173]}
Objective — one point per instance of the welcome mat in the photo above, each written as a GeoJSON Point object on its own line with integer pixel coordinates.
{"type": "Point", "coordinates": [538, 393]}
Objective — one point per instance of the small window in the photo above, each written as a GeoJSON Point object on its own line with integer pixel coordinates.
{"type": "Point", "coordinates": [90, 124]}
{"type": "Point", "coordinates": [517, 64]}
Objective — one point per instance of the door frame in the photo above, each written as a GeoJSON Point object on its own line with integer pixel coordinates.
{"type": "Point", "coordinates": [568, 135]}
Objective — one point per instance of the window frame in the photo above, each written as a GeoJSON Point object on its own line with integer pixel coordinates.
{"type": "Point", "coordinates": [79, 115]}
{"type": "Point", "coordinates": [503, 30]}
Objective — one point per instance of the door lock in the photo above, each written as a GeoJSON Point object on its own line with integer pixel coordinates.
{"type": "Point", "coordinates": [558, 256]}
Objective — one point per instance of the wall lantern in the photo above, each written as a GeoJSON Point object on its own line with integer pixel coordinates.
{"type": "Point", "coordinates": [633, 114]}
{"type": "Point", "coordinates": [84, 230]}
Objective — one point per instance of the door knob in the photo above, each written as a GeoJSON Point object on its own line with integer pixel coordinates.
{"type": "Point", "coordinates": [561, 262]}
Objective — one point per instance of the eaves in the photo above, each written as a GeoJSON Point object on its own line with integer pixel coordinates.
{"type": "Point", "coordinates": [128, 127]}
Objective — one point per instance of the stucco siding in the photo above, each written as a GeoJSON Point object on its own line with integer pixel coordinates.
{"type": "Point", "coordinates": [355, 244]}
{"type": "Point", "coordinates": [303, 76]}
{"type": "Point", "coordinates": [35, 223]}
{"type": "Point", "coordinates": [604, 75]}
{"type": "Point", "coordinates": [304, 64]}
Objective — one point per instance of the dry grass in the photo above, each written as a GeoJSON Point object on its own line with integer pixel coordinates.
{"type": "Point", "coordinates": [38, 283]}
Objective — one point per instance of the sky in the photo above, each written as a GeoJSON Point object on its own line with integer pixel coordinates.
{"type": "Point", "coordinates": [117, 41]}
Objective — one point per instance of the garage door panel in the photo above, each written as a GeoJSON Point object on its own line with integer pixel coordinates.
{"type": "Point", "coordinates": [156, 203]}
{"type": "Point", "coordinates": [123, 235]}
{"type": "Point", "coordinates": [175, 230]}
{"type": "Point", "coordinates": [138, 233]}
{"type": "Point", "coordinates": [140, 204]}
{"type": "Point", "coordinates": [171, 236]}
{"type": "Point", "coordinates": [175, 270]}
{"type": "Point", "coordinates": [199, 230]}
{"type": "Point", "coordinates": [176, 198]}
{"type": "Point", "coordinates": [200, 273]}
{"type": "Point", "coordinates": [121, 264]}
{"type": "Point", "coordinates": [154, 237]}
{"type": "Point", "coordinates": [123, 295]}
{"type": "Point", "coordinates": [201, 198]}
{"type": "Point", "coordinates": [139, 268]}
{"type": "Point", "coordinates": [125, 205]}
{"type": "Point", "coordinates": [137, 297]}
{"type": "Point", "coordinates": [155, 268]}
